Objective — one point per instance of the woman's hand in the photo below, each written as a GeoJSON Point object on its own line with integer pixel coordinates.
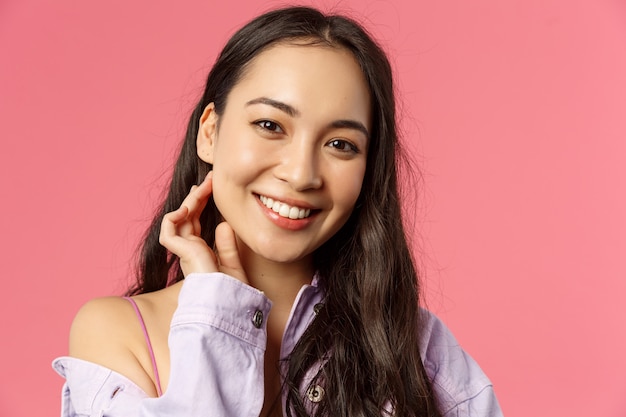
{"type": "Point", "coordinates": [180, 234]}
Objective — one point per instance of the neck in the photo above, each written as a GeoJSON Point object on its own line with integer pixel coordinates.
{"type": "Point", "coordinates": [280, 281]}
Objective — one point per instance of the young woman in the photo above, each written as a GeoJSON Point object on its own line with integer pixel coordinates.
{"type": "Point", "coordinates": [275, 279]}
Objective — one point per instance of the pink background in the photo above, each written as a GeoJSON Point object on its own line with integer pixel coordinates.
{"type": "Point", "coordinates": [516, 113]}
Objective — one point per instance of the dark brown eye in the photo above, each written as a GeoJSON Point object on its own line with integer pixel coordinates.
{"type": "Point", "coordinates": [343, 146]}
{"type": "Point", "coordinates": [269, 125]}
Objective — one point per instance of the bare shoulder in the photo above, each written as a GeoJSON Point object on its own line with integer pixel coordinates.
{"type": "Point", "coordinates": [99, 325]}
{"type": "Point", "coordinates": [107, 331]}
{"type": "Point", "coordinates": [104, 332]}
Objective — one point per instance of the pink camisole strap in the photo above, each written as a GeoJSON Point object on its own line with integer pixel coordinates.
{"type": "Point", "coordinates": [150, 350]}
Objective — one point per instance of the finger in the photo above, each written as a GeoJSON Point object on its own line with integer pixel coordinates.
{"type": "Point", "coordinates": [169, 227]}
{"type": "Point", "coordinates": [198, 196]}
{"type": "Point", "coordinates": [202, 192]}
{"type": "Point", "coordinates": [173, 218]}
{"type": "Point", "coordinates": [228, 253]}
{"type": "Point", "coordinates": [197, 227]}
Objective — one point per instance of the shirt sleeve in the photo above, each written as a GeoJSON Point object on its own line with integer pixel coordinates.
{"type": "Point", "coordinates": [217, 343]}
{"type": "Point", "coordinates": [483, 404]}
{"type": "Point", "coordinates": [461, 387]}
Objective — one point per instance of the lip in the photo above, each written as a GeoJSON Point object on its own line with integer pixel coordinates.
{"type": "Point", "coordinates": [284, 222]}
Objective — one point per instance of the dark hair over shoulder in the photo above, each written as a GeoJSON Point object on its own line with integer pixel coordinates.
{"type": "Point", "coordinates": [367, 334]}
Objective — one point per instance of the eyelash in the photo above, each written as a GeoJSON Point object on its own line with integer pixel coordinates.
{"type": "Point", "coordinates": [339, 144]}
{"type": "Point", "coordinates": [263, 124]}
{"type": "Point", "coordinates": [343, 143]}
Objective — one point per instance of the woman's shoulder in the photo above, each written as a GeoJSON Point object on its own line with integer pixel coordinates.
{"type": "Point", "coordinates": [107, 332]}
{"type": "Point", "coordinates": [101, 324]}
{"type": "Point", "coordinates": [104, 332]}
{"type": "Point", "coordinates": [112, 322]}
{"type": "Point", "coordinates": [458, 380]}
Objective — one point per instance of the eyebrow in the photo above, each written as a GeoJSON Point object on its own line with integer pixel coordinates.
{"type": "Point", "coordinates": [351, 124]}
{"type": "Point", "coordinates": [293, 112]}
{"type": "Point", "coordinates": [290, 110]}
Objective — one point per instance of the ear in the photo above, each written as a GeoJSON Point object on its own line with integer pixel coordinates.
{"type": "Point", "coordinates": [207, 133]}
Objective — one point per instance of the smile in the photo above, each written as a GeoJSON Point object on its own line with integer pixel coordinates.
{"type": "Point", "coordinates": [285, 210]}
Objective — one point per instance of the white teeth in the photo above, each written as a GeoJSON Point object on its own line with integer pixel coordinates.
{"type": "Point", "coordinates": [294, 212]}
{"type": "Point", "coordinates": [285, 210]}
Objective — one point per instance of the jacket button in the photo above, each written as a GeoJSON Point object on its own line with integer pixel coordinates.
{"type": "Point", "coordinates": [315, 393]}
{"type": "Point", "coordinates": [317, 307]}
{"type": "Point", "coordinates": [257, 319]}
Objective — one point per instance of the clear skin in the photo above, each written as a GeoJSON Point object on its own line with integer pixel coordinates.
{"type": "Point", "coordinates": [295, 128]}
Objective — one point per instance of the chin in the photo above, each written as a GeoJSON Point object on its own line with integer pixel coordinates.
{"type": "Point", "coordinates": [281, 253]}
{"type": "Point", "coordinates": [284, 258]}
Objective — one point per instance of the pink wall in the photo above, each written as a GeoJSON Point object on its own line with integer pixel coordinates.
{"type": "Point", "coordinates": [517, 112]}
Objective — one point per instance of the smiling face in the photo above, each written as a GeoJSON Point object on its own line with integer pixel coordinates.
{"type": "Point", "coordinates": [289, 152]}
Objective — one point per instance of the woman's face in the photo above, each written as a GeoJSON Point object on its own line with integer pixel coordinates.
{"type": "Point", "coordinates": [290, 149]}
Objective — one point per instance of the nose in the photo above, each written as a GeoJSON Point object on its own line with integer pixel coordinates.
{"type": "Point", "coordinates": [300, 166]}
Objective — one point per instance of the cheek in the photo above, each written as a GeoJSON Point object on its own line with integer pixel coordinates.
{"type": "Point", "coordinates": [218, 188]}
{"type": "Point", "coordinates": [237, 155]}
{"type": "Point", "coordinates": [247, 154]}
{"type": "Point", "coordinates": [351, 188]}
{"type": "Point", "coordinates": [236, 159]}
{"type": "Point", "coordinates": [234, 168]}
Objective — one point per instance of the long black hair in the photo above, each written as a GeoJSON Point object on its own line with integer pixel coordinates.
{"type": "Point", "coordinates": [365, 338]}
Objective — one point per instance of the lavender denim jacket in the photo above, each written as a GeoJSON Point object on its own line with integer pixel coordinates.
{"type": "Point", "coordinates": [217, 344]}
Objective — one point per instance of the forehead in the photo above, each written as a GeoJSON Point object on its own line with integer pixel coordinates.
{"type": "Point", "coordinates": [307, 77]}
